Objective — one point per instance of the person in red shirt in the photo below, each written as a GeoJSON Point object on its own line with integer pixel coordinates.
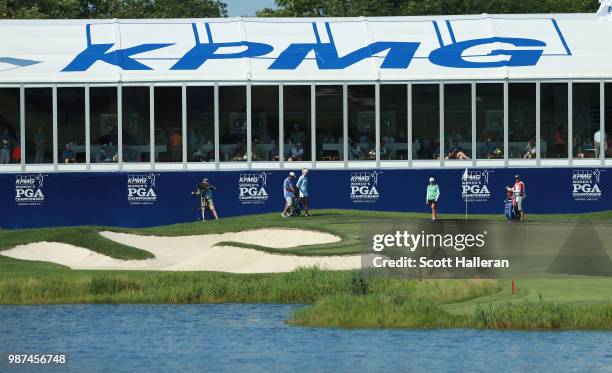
{"type": "Point", "coordinates": [16, 153]}
{"type": "Point", "coordinates": [518, 192]}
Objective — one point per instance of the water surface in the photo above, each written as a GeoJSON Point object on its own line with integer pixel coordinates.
{"type": "Point", "coordinates": [254, 338]}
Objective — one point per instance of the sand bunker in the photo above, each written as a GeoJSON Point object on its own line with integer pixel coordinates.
{"type": "Point", "coordinates": [196, 253]}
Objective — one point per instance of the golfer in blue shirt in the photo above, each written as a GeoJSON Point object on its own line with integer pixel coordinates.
{"type": "Point", "coordinates": [288, 193]}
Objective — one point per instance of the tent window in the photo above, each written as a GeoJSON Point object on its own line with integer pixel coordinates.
{"type": "Point", "coordinates": [232, 123]}
{"type": "Point", "coordinates": [10, 146]}
{"type": "Point", "coordinates": [586, 120]}
{"type": "Point", "coordinates": [39, 125]}
{"type": "Point", "coordinates": [103, 122]}
{"type": "Point", "coordinates": [136, 124]}
{"type": "Point", "coordinates": [425, 121]}
{"type": "Point", "coordinates": [201, 124]}
{"type": "Point", "coordinates": [490, 121]}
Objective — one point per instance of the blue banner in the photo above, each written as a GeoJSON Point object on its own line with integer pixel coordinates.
{"type": "Point", "coordinates": [139, 199]}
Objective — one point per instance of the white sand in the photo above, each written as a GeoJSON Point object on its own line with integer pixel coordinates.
{"type": "Point", "coordinates": [196, 253]}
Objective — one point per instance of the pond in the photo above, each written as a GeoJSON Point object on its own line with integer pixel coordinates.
{"type": "Point", "coordinates": [254, 338]}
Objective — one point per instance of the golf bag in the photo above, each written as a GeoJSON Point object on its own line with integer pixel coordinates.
{"type": "Point", "coordinates": [510, 212]}
{"type": "Point", "coordinates": [296, 206]}
{"type": "Point", "coordinates": [510, 208]}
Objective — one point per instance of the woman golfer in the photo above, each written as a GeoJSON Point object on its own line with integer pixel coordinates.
{"type": "Point", "coordinates": [431, 199]}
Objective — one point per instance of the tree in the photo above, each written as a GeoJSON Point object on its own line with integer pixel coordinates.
{"type": "Point", "coordinates": [29, 9]}
{"type": "Point", "coordinates": [352, 8]}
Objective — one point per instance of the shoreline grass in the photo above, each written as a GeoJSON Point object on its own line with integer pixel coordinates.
{"type": "Point", "coordinates": [343, 299]}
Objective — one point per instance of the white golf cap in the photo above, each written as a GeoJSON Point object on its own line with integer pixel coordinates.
{"type": "Point", "coordinates": [291, 173]}
{"type": "Point", "coordinates": [305, 170]}
{"type": "Point", "coordinates": [431, 179]}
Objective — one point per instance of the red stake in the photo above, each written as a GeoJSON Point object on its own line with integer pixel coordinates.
{"type": "Point", "coordinates": [513, 287]}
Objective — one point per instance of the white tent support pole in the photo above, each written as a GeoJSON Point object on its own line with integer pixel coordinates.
{"type": "Point", "coordinates": [538, 88]}
{"type": "Point", "coordinates": [87, 130]}
{"type": "Point", "coordinates": [249, 133]}
{"type": "Point", "coordinates": [345, 123]}
{"type": "Point", "coordinates": [281, 126]}
{"type": "Point", "coordinates": [55, 136]}
{"type": "Point", "coordinates": [216, 109]}
{"type": "Point", "coordinates": [152, 153]}
{"type": "Point", "coordinates": [22, 124]}
{"type": "Point", "coordinates": [409, 122]}
{"type": "Point", "coordinates": [377, 120]}
{"type": "Point", "coordinates": [120, 126]}
{"type": "Point", "coordinates": [474, 143]}
{"type": "Point", "coordinates": [313, 124]}
{"type": "Point", "coordinates": [184, 123]}
{"type": "Point", "coordinates": [506, 123]}
{"type": "Point", "coordinates": [602, 122]}
{"type": "Point", "coordinates": [570, 123]}
{"type": "Point", "coordinates": [441, 98]}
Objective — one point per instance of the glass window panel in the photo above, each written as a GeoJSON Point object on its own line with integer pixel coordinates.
{"type": "Point", "coordinates": [201, 124]}
{"type": "Point", "coordinates": [39, 125]}
{"type": "Point", "coordinates": [553, 120]}
{"type": "Point", "coordinates": [168, 124]}
{"type": "Point", "coordinates": [297, 116]}
{"type": "Point", "coordinates": [608, 119]}
{"type": "Point", "coordinates": [361, 122]}
{"type": "Point", "coordinates": [10, 145]}
{"type": "Point", "coordinates": [393, 121]}
{"type": "Point", "coordinates": [329, 123]}
{"type": "Point", "coordinates": [457, 121]}
{"type": "Point", "coordinates": [489, 121]}
{"type": "Point", "coordinates": [136, 124]}
{"type": "Point", "coordinates": [585, 120]}
{"type": "Point", "coordinates": [425, 121]}
{"type": "Point", "coordinates": [71, 124]}
{"type": "Point", "coordinates": [522, 120]}
{"type": "Point", "coordinates": [264, 119]}
{"type": "Point", "coordinates": [232, 123]}
{"type": "Point", "coordinates": [103, 124]}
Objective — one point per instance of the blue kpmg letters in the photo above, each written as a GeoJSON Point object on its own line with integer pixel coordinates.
{"type": "Point", "coordinates": [452, 55]}
{"type": "Point", "coordinates": [399, 54]}
{"type": "Point", "coordinates": [203, 52]}
{"type": "Point", "coordinates": [121, 58]}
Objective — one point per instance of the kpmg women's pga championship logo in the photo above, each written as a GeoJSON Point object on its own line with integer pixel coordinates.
{"type": "Point", "coordinates": [364, 186]}
{"type": "Point", "coordinates": [586, 185]}
{"type": "Point", "coordinates": [29, 189]}
{"type": "Point", "coordinates": [475, 185]}
{"type": "Point", "coordinates": [141, 189]}
{"type": "Point", "coordinates": [252, 188]}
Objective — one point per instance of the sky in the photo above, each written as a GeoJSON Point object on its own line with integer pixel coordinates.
{"type": "Point", "coordinates": [237, 8]}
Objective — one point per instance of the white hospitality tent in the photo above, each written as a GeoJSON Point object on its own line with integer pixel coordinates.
{"type": "Point", "coordinates": [575, 46]}
{"type": "Point", "coordinates": [404, 91]}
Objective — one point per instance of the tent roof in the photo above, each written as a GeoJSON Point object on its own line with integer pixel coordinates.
{"type": "Point", "coordinates": [534, 46]}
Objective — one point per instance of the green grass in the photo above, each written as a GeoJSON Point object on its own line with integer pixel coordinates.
{"type": "Point", "coordinates": [347, 224]}
{"type": "Point", "coordinates": [336, 299]}
{"type": "Point", "coordinates": [86, 237]}
{"type": "Point", "coordinates": [570, 303]}
{"type": "Point", "coordinates": [541, 314]}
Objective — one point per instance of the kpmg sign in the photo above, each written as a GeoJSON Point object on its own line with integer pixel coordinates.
{"type": "Point", "coordinates": [501, 52]}
{"type": "Point", "coordinates": [29, 189]}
